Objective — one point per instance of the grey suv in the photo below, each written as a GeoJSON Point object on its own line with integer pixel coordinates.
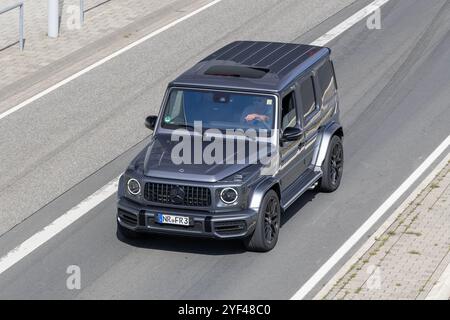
{"type": "Point", "coordinates": [288, 90]}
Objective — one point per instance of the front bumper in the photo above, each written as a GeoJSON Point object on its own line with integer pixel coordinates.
{"type": "Point", "coordinates": [229, 225]}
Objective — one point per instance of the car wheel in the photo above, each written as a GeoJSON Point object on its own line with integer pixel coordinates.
{"type": "Point", "coordinates": [127, 233]}
{"type": "Point", "coordinates": [333, 166]}
{"type": "Point", "coordinates": [265, 236]}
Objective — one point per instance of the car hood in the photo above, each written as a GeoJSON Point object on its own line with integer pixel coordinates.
{"type": "Point", "coordinates": [158, 163]}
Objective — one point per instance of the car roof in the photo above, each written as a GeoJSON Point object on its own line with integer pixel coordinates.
{"type": "Point", "coordinates": [252, 66]}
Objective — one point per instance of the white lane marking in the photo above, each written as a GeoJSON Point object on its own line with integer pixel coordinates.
{"type": "Point", "coordinates": [382, 229]}
{"type": "Point", "coordinates": [348, 245]}
{"type": "Point", "coordinates": [348, 23]}
{"type": "Point", "coordinates": [106, 59]}
{"type": "Point", "coordinates": [91, 202]}
{"type": "Point", "coordinates": [38, 239]}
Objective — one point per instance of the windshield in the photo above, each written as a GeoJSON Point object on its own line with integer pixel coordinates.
{"type": "Point", "coordinates": [218, 110]}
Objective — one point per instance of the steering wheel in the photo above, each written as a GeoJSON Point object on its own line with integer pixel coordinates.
{"type": "Point", "coordinates": [258, 123]}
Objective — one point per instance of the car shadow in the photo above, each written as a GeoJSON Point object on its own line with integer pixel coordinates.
{"type": "Point", "coordinates": [177, 243]}
{"type": "Point", "coordinates": [206, 246]}
{"type": "Point", "coordinates": [307, 197]}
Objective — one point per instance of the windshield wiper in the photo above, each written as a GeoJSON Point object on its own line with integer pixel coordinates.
{"type": "Point", "coordinates": [182, 125]}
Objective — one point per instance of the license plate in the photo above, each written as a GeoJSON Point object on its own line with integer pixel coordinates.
{"type": "Point", "coordinates": [171, 219]}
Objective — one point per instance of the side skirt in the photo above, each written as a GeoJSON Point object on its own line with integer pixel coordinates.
{"type": "Point", "coordinates": [303, 183]}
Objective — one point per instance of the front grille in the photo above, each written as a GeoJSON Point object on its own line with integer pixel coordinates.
{"type": "Point", "coordinates": [190, 196]}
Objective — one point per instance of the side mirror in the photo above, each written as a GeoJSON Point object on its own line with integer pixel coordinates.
{"type": "Point", "coordinates": [291, 134]}
{"type": "Point", "coordinates": [150, 122]}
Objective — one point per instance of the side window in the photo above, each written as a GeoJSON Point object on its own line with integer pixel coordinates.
{"type": "Point", "coordinates": [176, 106]}
{"type": "Point", "coordinates": [326, 81]}
{"type": "Point", "coordinates": [308, 96]}
{"type": "Point", "coordinates": [288, 112]}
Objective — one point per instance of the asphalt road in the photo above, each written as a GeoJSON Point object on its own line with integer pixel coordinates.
{"type": "Point", "coordinates": [395, 107]}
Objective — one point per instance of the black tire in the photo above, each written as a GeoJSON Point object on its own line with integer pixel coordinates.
{"type": "Point", "coordinates": [333, 166]}
{"type": "Point", "coordinates": [265, 236]}
{"type": "Point", "coordinates": [127, 233]}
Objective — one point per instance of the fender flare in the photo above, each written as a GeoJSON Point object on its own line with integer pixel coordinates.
{"type": "Point", "coordinates": [121, 187]}
{"type": "Point", "coordinates": [322, 148]}
{"type": "Point", "coordinates": [260, 190]}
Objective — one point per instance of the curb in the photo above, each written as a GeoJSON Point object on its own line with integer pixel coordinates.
{"type": "Point", "coordinates": [441, 290]}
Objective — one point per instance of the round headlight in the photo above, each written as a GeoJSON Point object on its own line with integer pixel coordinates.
{"type": "Point", "coordinates": [134, 187]}
{"type": "Point", "coordinates": [228, 195]}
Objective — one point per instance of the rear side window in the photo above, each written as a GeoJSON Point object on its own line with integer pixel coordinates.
{"type": "Point", "coordinates": [308, 96]}
{"type": "Point", "coordinates": [326, 81]}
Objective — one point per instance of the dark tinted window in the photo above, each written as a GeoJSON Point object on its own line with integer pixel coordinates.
{"type": "Point", "coordinates": [308, 96]}
{"type": "Point", "coordinates": [218, 109]}
{"type": "Point", "coordinates": [326, 81]}
{"type": "Point", "coordinates": [288, 112]}
{"type": "Point", "coordinates": [233, 71]}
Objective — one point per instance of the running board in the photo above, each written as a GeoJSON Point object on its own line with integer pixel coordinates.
{"type": "Point", "coordinates": [303, 184]}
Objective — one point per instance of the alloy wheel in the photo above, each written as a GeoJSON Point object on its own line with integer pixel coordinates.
{"type": "Point", "coordinates": [271, 220]}
{"type": "Point", "coordinates": [336, 163]}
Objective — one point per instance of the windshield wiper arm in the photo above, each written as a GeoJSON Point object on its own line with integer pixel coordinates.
{"type": "Point", "coordinates": [183, 125]}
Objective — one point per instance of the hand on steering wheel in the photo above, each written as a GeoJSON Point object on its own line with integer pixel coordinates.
{"type": "Point", "coordinates": [255, 116]}
{"type": "Point", "coordinates": [257, 120]}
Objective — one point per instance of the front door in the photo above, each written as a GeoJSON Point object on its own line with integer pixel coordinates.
{"type": "Point", "coordinates": [291, 152]}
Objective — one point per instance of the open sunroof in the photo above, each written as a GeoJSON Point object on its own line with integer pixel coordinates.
{"type": "Point", "coordinates": [237, 71]}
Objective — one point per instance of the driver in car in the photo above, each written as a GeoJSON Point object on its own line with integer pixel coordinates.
{"type": "Point", "coordinates": [260, 110]}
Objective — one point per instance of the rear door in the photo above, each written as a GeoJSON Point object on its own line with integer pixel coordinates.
{"type": "Point", "coordinates": [311, 114]}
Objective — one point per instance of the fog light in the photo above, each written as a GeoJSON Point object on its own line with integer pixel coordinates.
{"type": "Point", "coordinates": [134, 187]}
{"type": "Point", "coordinates": [229, 195]}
